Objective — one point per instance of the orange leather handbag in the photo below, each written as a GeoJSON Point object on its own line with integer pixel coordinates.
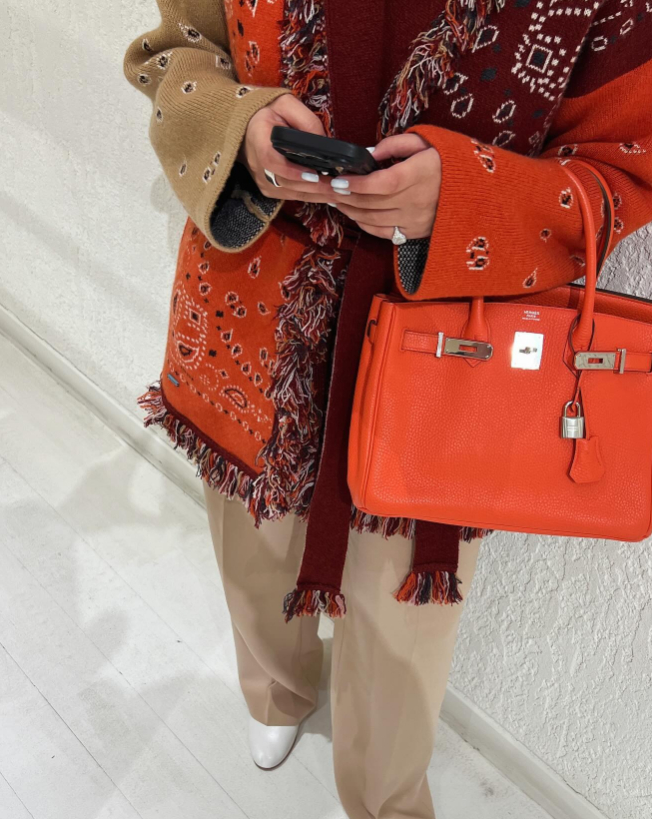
{"type": "Point", "coordinates": [529, 414]}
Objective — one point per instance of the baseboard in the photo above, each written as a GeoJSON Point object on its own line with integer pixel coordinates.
{"type": "Point", "coordinates": [532, 776]}
{"type": "Point", "coordinates": [150, 443]}
{"type": "Point", "coordinates": [510, 757]}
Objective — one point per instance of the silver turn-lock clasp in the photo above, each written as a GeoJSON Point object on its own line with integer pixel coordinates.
{"type": "Point", "coordinates": [572, 426]}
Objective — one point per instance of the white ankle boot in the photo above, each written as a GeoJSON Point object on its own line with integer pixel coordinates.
{"type": "Point", "coordinates": [270, 744]}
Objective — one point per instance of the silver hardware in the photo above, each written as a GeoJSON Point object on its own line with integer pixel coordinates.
{"type": "Point", "coordinates": [623, 356]}
{"type": "Point", "coordinates": [527, 350]}
{"type": "Point", "coordinates": [466, 348]}
{"type": "Point", "coordinates": [440, 343]}
{"type": "Point", "coordinates": [271, 177]}
{"type": "Point", "coordinates": [593, 360]}
{"type": "Point", "coordinates": [572, 426]}
{"type": "Point", "coordinates": [398, 237]}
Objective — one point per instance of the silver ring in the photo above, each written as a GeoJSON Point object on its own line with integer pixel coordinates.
{"type": "Point", "coordinates": [397, 237]}
{"type": "Point", "coordinates": [271, 177]}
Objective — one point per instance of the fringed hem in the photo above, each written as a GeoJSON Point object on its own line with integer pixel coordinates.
{"type": "Point", "coordinates": [213, 468]}
{"type": "Point", "coordinates": [311, 602]}
{"type": "Point", "coordinates": [231, 481]}
{"type": "Point", "coordinates": [469, 533]}
{"type": "Point", "coordinates": [420, 588]}
{"type": "Point", "coordinates": [364, 522]}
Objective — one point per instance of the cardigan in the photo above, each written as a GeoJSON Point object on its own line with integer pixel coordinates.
{"type": "Point", "coordinates": [604, 97]}
{"type": "Point", "coordinates": [502, 90]}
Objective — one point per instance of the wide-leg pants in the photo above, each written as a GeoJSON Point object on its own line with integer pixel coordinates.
{"type": "Point", "coordinates": [390, 661]}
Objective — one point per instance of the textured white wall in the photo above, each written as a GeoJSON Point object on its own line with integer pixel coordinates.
{"type": "Point", "coordinates": [88, 225]}
{"type": "Point", "coordinates": [556, 643]}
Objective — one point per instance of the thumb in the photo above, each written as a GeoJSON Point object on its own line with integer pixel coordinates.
{"type": "Point", "coordinates": [399, 146]}
{"type": "Point", "coordinates": [297, 115]}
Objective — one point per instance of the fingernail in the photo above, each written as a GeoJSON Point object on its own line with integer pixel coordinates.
{"type": "Point", "coordinates": [343, 193]}
{"type": "Point", "coordinates": [340, 183]}
{"type": "Point", "coordinates": [372, 149]}
{"type": "Point", "coordinates": [310, 177]}
{"type": "Point", "coordinates": [332, 204]}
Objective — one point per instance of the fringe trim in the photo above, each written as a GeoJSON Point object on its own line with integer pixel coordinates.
{"type": "Point", "coordinates": [313, 601]}
{"type": "Point", "coordinates": [211, 467]}
{"type": "Point", "coordinates": [420, 588]}
{"type": "Point", "coordinates": [364, 522]}
{"type": "Point", "coordinates": [312, 294]}
{"type": "Point", "coordinates": [430, 64]}
{"type": "Point", "coordinates": [232, 482]}
{"type": "Point", "coordinates": [304, 67]}
{"type": "Point", "coordinates": [304, 56]}
{"type": "Point", "coordinates": [469, 533]}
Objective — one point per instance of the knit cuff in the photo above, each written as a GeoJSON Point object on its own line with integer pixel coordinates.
{"type": "Point", "coordinates": [505, 224]}
{"type": "Point", "coordinates": [242, 213]}
{"type": "Point", "coordinates": [233, 211]}
{"type": "Point", "coordinates": [410, 260]}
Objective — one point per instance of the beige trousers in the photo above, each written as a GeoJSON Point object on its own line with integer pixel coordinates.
{"type": "Point", "coordinates": [390, 661]}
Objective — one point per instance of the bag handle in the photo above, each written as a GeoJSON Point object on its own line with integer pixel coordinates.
{"type": "Point", "coordinates": [582, 329]}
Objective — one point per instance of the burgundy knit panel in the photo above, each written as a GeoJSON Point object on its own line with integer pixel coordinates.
{"type": "Point", "coordinates": [367, 43]}
{"type": "Point", "coordinates": [619, 41]}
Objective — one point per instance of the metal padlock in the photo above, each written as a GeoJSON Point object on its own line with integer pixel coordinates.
{"type": "Point", "coordinates": [572, 426]}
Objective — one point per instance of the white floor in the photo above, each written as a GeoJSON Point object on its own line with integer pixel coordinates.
{"type": "Point", "coordinates": [118, 689]}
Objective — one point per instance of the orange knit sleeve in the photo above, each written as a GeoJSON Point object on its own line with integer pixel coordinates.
{"type": "Point", "coordinates": [508, 223]}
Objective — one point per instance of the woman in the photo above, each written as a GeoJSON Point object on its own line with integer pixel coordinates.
{"type": "Point", "coordinates": [469, 107]}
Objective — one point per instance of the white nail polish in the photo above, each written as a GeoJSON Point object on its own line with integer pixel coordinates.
{"type": "Point", "coordinates": [372, 149]}
{"type": "Point", "coordinates": [343, 193]}
{"type": "Point", "coordinates": [340, 183]}
{"type": "Point", "coordinates": [310, 177]}
{"type": "Point", "coordinates": [332, 204]}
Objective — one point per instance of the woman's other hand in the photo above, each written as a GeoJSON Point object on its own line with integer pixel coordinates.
{"type": "Point", "coordinates": [257, 152]}
{"type": "Point", "coordinates": [404, 195]}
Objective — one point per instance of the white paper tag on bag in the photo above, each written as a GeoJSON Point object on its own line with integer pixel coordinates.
{"type": "Point", "coordinates": [526, 351]}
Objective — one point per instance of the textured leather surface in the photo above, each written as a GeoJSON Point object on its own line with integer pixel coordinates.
{"type": "Point", "coordinates": [434, 439]}
{"type": "Point", "coordinates": [587, 466]}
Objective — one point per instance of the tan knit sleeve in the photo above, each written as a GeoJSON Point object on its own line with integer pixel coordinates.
{"type": "Point", "coordinates": [200, 114]}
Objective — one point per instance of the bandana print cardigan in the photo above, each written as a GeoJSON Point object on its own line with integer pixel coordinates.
{"type": "Point", "coordinates": [504, 90]}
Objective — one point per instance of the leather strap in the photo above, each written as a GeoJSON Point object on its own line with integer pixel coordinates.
{"type": "Point", "coordinates": [635, 362]}
{"type": "Point", "coordinates": [414, 342]}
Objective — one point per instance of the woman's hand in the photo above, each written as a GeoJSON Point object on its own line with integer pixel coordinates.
{"type": "Point", "coordinates": [256, 152]}
{"type": "Point", "coordinates": [404, 195]}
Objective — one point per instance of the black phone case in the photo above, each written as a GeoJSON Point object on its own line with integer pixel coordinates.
{"type": "Point", "coordinates": [334, 156]}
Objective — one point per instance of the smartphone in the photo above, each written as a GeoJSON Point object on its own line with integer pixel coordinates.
{"type": "Point", "coordinates": [324, 154]}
